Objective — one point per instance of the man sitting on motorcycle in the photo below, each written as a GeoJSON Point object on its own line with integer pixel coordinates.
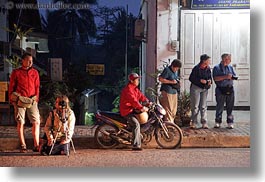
{"type": "Point", "coordinates": [131, 108]}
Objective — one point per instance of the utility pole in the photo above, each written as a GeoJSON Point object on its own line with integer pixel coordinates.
{"type": "Point", "coordinates": [126, 44]}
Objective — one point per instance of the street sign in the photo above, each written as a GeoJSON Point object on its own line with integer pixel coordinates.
{"type": "Point", "coordinates": [220, 4]}
{"type": "Point", "coordinates": [95, 69]}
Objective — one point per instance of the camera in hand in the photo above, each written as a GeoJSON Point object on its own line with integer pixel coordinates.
{"type": "Point", "coordinates": [207, 85]}
{"type": "Point", "coordinates": [62, 104]}
{"type": "Point", "coordinates": [176, 86]}
{"type": "Point", "coordinates": [234, 77]}
{"type": "Point", "coordinates": [63, 120]}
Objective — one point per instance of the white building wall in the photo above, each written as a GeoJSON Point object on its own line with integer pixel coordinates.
{"type": "Point", "coordinates": [215, 32]}
{"type": "Point", "coordinates": [167, 31]}
{"type": "Point", "coordinates": [148, 48]}
{"type": "Point", "coordinates": [160, 33]}
{"type": "Point", "coordinates": [212, 32]}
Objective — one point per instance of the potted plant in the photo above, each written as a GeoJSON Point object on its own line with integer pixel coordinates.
{"type": "Point", "coordinates": [183, 116]}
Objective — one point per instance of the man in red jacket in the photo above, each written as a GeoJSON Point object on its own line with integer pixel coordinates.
{"type": "Point", "coordinates": [130, 106]}
{"type": "Point", "coordinates": [25, 82]}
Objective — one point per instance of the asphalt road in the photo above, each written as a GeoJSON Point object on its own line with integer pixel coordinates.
{"type": "Point", "coordinates": [192, 157]}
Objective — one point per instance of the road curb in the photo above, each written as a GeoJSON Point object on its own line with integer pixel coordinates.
{"type": "Point", "coordinates": [207, 141]}
{"type": "Point", "coordinates": [239, 137]}
{"type": "Point", "coordinates": [215, 141]}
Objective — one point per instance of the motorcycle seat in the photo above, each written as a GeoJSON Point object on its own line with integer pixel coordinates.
{"type": "Point", "coordinates": [115, 116]}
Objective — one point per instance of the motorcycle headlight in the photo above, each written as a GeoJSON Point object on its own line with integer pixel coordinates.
{"type": "Point", "coordinates": [160, 109]}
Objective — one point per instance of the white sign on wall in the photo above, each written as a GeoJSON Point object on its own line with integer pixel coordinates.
{"type": "Point", "coordinates": [56, 69]}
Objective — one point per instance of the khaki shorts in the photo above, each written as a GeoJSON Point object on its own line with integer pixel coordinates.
{"type": "Point", "coordinates": [32, 113]}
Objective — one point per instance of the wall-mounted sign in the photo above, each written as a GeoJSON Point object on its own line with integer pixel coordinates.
{"type": "Point", "coordinates": [56, 69]}
{"type": "Point", "coordinates": [139, 28]}
{"type": "Point", "coordinates": [95, 69]}
{"type": "Point", "coordinates": [220, 4]}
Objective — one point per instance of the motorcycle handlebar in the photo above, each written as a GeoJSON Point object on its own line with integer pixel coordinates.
{"type": "Point", "coordinates": [152, 105]}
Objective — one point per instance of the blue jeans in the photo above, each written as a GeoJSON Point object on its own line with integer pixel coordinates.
{"type": "Point", "coordinates": [229, 101]}
{"type": "Point", "coordinates": [198, 98]}
{"type": "Point", "coordinates": [134, 123]}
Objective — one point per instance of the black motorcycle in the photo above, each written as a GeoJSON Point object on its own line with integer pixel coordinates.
{"type": "Point", "coordinates": [113, 129]}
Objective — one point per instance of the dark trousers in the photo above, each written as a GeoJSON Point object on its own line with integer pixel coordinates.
{"type": "Point", "coordinates": [222, 100]}
{"type": "Point", "coordinates": [58, 149]}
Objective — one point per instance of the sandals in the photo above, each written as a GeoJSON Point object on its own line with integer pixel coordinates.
{"type": "Point", "coordinates": [36, 149]}
{"type": "Point", "coordinates": [23, 149]}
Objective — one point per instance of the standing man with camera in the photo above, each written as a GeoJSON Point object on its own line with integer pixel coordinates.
{"type": "Point", "coordinates": [201, 81]}
{"type": "Point", "coordinates": [24, 96]}
{"type": "Point", "coordinates": [223, 75]}
{"type": "Point", "coordinates": [59, 128]}
{"type": "Point", "coordinates": [169, 89]}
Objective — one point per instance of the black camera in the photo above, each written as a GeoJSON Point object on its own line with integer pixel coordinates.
{"type": "Point", "coordinates": [63, 120]}
{"type": "Point", "coordinates": [62, 104]}
{"type": "Point", "coordinates": [176, 85]}
{"type": "Point", "coordinates": [234, 77]}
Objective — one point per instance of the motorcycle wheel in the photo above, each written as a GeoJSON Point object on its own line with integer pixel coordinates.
{"type": "Point", "coordinates": [174, 138]}
{"type": "Point", "coordinates": [102, 136]}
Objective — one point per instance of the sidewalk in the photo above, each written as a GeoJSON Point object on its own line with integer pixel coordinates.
{"type": "Point", "coordinates": [83, 137]}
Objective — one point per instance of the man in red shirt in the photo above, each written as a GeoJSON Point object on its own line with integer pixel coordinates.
{"type": "Point", "coordinates": [25, 82]}
{"type": "Point", "coordinates": [130, 106]}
